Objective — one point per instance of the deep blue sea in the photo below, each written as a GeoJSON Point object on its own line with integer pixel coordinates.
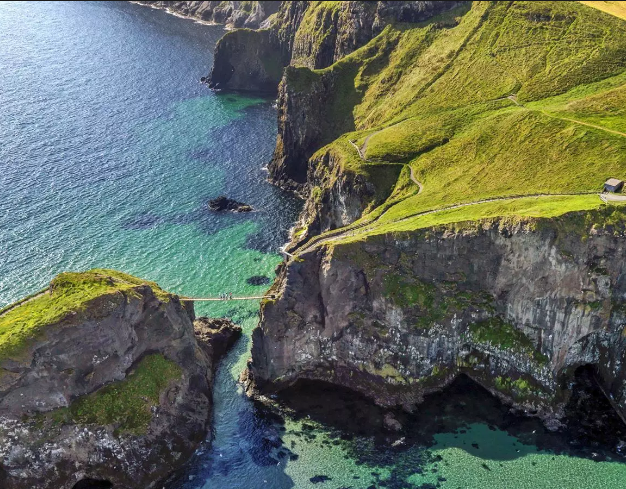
{"type": "Point", "coordinates": [110, 149]}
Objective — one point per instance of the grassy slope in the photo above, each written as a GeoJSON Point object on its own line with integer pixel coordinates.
{"type": "Point", "coordinates": [127, 404]}
{"type": "Point", "coordinates": [441, 90]}
{"type": "Point", "coordinates": [614, 8]}
{"type": "Point", "coordinates": [69, 293]}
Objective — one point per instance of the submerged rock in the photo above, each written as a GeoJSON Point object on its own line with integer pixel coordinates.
{"type": "Point", "coordinates": [317, 479]}
{"type": "Point", "coordinates": [258, 280]}
{"type": "Point", "coordinates": [104, 385]}
{"type": "Point", "coordinates": [223, 203]}
{"type": "Point", "coordinates": [391, 423]}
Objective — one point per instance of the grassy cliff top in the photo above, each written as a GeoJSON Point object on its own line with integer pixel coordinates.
{"type": "Point", "coordinates": [524, 102]}
{"type": "Point", "coordinates": [69, 294]}
{"type": "Point", "coordinates": [614, 8]}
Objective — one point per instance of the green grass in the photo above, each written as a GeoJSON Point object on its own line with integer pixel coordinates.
{"type": "Point", "coordinates": [506, 155]}
{"type": "Point", "coordinates": [519, 388]}
{"type": "Point", "coordinates": [505, 336]}
{"type": "Point", "coordinates": [68, 297]}
{"type": "Point", "coordinates": [618, 9]}
{"type": "Point", "coordinates": [405, 293]}
{"type": "Point", "coordinates": [473, 216]}
{"type": "Point", "coordinates": [314, 31]}
{"type": "Point", "coordinates": [125, 405]}
{"type": "Point", "coordinates": [434, 95]}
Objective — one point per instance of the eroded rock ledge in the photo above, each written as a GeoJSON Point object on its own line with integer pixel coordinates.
{"type": "Point", "coordinates": [517, 306]}
{"type": "Point", "coordinates": [113, 384]}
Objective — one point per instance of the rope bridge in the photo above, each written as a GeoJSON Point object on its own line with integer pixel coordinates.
{"type": "Point", "coordinates": [210, 299]}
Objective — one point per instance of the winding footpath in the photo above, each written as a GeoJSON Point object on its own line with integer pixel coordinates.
{"type": "Point", "coordinates": [361, 152]}
{"type": "Point", "coordinates": [513, 98]}
{"type": "Point", "coordinates": [352, 231]}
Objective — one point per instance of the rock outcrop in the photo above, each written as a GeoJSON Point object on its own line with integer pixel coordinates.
{"type": "Point", "coordinates": [110, 384]}
{"type": "Point", "coordinates": [518, 307]}
{"type": "Point", "coordinates": [233, 14]}
{"type": "Point", "coordinates": [223, 203]}
{"type": "Point", "coordinates": [311, 34]}
{"type": "Point", "coordinates": [337, 196]}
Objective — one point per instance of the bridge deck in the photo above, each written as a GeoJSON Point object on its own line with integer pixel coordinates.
{"type": "Point", "coordinates": [210, 299]}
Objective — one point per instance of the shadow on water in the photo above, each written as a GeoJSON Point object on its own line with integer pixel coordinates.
{"type": "Point", "coordinates": [472, 418]}
{"type": "Point", "coordinates": [245, 445]}
{"type": "Point", "coordinates": [465, 414]}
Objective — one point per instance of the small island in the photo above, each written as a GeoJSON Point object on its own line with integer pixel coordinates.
{"type": "Point", "coordinates": [223, 203]}
{"type": "Point", "coordinates": [112, 370]}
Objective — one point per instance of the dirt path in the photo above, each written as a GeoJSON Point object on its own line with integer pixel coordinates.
{"type": "Point", "coordinates": [337, 235]}
{"type": "Point", "coordinates": [215, 299]}
{"type": "Point", "coordinates": [358, 150]}
{"type": "Point", "coordinates": [415, 181]}
{"type": "Point", "coordinates": [513, 98]}
{"type": "Point", "coordinates": [23, 301]}
{"type": "Point", "coordinates": [612, 131]}
{"type": "Point", "coordinates": [361, 152]}
{"type": "Point", "coordinates": [352, 231]}
{"type": "Point", "coordinates": [612, 198]}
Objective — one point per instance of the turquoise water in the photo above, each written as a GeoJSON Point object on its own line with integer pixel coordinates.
{"type": "Point", "coordinates": [110, 149]}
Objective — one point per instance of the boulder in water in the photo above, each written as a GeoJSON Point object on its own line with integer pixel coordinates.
{"type": "Point", "coordinates": [223, 203]}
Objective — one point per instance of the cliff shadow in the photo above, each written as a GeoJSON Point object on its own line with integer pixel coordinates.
{"type": "Point", "coordinates": [92, 484]}
{"type": "Point", "coordinates": [467, 416]}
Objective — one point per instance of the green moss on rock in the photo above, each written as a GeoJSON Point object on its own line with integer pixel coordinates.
{"type": "Point", "coordinates": [505, 336]}
{"type": "Point", "coordinates": [125, 405]}
{"type": "Point", "coordinates": [520, 388]}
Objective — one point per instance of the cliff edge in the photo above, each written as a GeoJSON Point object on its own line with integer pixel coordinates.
{"type": "Point", "coordinates": [517, 305]}
{"type": "Point", "coordinates": [233, 14]}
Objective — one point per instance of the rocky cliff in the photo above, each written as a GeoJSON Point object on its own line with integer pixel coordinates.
{"type": "Point", "coordinates": [102, 378]}
{"type": "Point", "coordinates": [311, 35]}
{"type": "Point", "coordinates": [517, 306]}
{"type": "Point", "coordinates": [233, 14]}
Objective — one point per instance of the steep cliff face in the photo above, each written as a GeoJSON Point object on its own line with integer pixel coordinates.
{"type": "Point", "coordinates": [338, 195]}
{"type": "Point", "coordinates": [117, 389]}
{"type": "Point", "coordinates": [233, 14]}
{"type": "Point", "coordinates": [517, 307]}
{"type": "Point", "coordinates": [253, 63]}
{"type": "Point", "coordinates": [312, 34]}
{"type": "Point", "coordinates": [327, 33]}
{"type": "Point", "coordinates": [337, 198]}
{"type": "Point", "coordinates": [304, 122]}
{"type": "Point", "coordinates": [313, 109]}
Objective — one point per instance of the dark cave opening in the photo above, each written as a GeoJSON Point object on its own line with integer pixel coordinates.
{"type": "Point", "coordinates": [592, 428]}
{"type": "Point", "coordinates": [592, 416]}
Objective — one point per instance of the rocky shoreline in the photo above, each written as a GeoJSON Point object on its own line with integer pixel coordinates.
{"type": "Point", "coordinates": [230, 14]}
{"type": "Point", "coordinates": [519, 307]}
{"type": "Point", "coordinates": [347, 315]}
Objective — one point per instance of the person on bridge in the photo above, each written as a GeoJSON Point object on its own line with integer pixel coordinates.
{"type": "Point", "coordinates": [230, 296]}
